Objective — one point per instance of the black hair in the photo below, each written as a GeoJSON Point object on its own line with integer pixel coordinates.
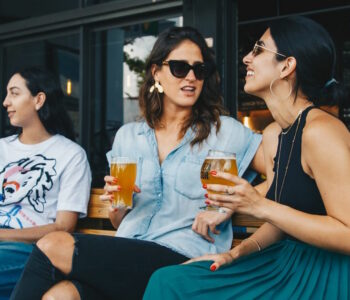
{"type": "Point", "coordinates": [208, 107]}
{"type": "Point", "coordinates": [315, 53]}
{"type": "Point", "coordinates": [52, 114]}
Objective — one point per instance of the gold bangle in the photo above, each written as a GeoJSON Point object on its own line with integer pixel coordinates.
{"type": "Point", "coordinates": [255, 242]}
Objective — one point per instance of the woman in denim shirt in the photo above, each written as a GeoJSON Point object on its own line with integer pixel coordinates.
{"type": "Point", "coordinates": [183, 118]}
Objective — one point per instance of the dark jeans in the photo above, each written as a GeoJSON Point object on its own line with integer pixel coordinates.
{"type": "Point", "coordinates": [103, 268]}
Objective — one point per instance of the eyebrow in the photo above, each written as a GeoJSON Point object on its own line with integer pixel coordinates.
{"type": "Point", "coordinates": [261, 42]}
{"type": "Point", "coordinates": [13, 88]}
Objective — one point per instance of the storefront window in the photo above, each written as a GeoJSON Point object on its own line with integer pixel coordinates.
{"type": "Point", "coordinates": [119, 59]}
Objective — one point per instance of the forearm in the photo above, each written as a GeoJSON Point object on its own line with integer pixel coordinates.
{"type": "Point", "coordinates": [116, 217]}
{"type": "Point", "coordinates": [321, 231]}
{"type": "Point", "coordinates": [29, 235]}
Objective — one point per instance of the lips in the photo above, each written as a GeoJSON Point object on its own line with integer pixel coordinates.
{"type": "Point", "coordinates": [10, 113]}
{"type": "Point", "coordinates": [188, 88]}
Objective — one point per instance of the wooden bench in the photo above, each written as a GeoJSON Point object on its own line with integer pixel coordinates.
{"type": "Point", "coordinates": [97, 221]}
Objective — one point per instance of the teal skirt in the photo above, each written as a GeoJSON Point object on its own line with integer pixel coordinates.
{"type": "Point", "coordinates": [286, 270]}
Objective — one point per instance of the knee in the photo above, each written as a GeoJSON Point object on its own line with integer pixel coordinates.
{"type": "Point", "coordinates": [65, 290]}
{"type": "Point", "coordinates": [54, 242]}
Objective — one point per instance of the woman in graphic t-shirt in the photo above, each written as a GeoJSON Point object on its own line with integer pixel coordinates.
{"type": "Point", "coordinates": [41, 169]}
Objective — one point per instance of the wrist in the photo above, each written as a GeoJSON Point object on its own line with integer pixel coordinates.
{"type": "Point", "coordinates": [263, 209]}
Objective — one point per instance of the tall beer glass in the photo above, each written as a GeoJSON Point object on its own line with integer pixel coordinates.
{"type": "Point", "coordinates": [124, 169]}
{"type": "Point", "coordinates": [218, 161]}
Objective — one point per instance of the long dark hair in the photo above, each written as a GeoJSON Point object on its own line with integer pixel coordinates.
{"type": "Point", "coordinates": [208, 107]}
{"type": "Point", "coordinates": [52, 114]}
{"type": "Point", "coordinates": [315, 53]}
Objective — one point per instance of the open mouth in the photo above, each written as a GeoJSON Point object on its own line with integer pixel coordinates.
{"type": "Point", "coordinates": [190, 89]}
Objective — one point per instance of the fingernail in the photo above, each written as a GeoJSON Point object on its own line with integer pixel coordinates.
{"type": "Point", "coordinates": [206, 195]}
{"type": "Point", "coordinates": [115, 180]}
{"type": "Point", "coordinates": [206, 202]}
{"type": "Point", "coordinates": [112, 197]}
{"type": "Point", "coordinates": [213, 172]}
{"type": "Point", "coordinates": [119, 188]}
{"type": "Point", "coordinates": [212, 268]}
{"type": "Point", "coordinates": [204, 186]}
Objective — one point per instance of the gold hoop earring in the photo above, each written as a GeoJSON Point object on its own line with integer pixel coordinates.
{"type": "Point", "coordinates": [272, 92]}
{"type": "Point", "coordinates": [156, 86]}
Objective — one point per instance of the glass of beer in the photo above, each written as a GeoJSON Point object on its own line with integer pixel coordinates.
{"type": "Point", "coordinates": [124, 169]}
{"type": "Point", "coordinates": [218, 161]}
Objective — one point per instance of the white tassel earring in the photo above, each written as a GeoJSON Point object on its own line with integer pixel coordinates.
{"type": "Point", "coordinates": [156, 86]}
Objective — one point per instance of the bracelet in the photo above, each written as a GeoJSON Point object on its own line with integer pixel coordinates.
{"type": "Point", "coordinates": [254, 241]}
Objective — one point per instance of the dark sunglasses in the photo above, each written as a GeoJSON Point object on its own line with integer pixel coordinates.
{"type": "Point", "coordinates": [180, 69]}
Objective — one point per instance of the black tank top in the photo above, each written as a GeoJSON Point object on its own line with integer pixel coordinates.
{"type": "Point", "coordinates": [298, 190]}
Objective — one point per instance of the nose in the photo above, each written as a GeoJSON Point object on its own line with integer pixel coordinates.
{"type": "Point", "coordinates": [190, 76]}
{"type": "Point", "coordinates": [6, 102]}
{"type": "Point", "coordinates": [248, 58]}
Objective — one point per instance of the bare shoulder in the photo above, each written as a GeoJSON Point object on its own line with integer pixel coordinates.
{"type": "Point", "coordinates": [321, 128]}
{"type": "Point", "coordinates": [271, 132]}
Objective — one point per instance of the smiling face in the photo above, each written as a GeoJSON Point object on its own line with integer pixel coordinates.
{"type": "Point", "coordinates": [262, 67]}
{"type": "Point", "coordinates": [19, 102]}
{"type": "Point", "coordinates": [181, 92]}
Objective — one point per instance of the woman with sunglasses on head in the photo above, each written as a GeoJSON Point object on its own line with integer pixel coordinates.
{"type": "Point", "coordinates": [40, 169]}
{"type": "Point", "coordinates": [181, 105]}
{"type": "Point", "coordinates": [303, 249]}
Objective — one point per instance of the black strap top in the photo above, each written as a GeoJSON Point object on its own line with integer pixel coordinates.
{"type": "Point", "coordinates": [294, 187]}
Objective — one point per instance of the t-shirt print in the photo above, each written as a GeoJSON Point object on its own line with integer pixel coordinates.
{"type": "Point", "coordinates": [25, 181]}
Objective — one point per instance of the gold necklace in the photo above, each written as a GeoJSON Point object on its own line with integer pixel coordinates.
{"type": "Point", "coordinates": [289, 156]}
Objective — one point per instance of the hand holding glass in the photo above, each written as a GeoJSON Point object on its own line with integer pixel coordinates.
{"type": "Point", "coordinates": [218, 161]}
{"type": "Point", "coordinates": [124, 169]}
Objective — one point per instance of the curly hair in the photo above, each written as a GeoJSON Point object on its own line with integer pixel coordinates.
{"type": "Point", "coordinates": [208, 107]}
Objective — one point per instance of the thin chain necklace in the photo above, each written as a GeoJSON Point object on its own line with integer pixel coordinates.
{"type": "Point", "coordinates": [288, 161]}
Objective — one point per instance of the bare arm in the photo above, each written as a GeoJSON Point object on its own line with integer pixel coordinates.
{"type": "Point", "coordinates": [331, 172]}
{"type": "Point", "coordinates": [258, 162]}
{"type": "Point", "coordinates": [65, 221]}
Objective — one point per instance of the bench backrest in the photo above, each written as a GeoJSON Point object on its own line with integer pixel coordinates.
{"type": "Point", "coordinates": [97, 216]}
{"type": "Point", "coordinates": [97, 221]}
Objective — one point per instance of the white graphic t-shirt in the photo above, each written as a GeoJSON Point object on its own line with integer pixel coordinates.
{"type": "Point", "coordinates": [38, 180]}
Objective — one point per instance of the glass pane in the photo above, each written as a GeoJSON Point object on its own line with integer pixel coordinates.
{"type": "Point", "coordinates": [119, 58]}
{"type": "Point", "coordinates": [61, 56]}
{"type": "Point", "coordinates": [16, 10]}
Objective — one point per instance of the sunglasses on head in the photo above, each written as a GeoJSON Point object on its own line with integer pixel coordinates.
{"type": "Point", "coordinates": [180, 69]}
{"type": "Point", "coordinates": [259, 47]}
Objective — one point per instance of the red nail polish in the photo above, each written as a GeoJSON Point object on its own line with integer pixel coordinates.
{"type": "Point", "coordinates": [212, 268]}
{"type": "Point", "coordinates": [119, 188]}
{"type": "Point", "coordinates": [115, 180]}
{"type": "Point", "coordinates": [206, 202]}
{"type": "Point", "coordinates": [204, 186]}
{"type": "Point", "coordinates": [213, 172]}
{"type": "Point", "coordinates": [206, 195]}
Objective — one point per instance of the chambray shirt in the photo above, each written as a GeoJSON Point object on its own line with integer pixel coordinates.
{"type": "Point", "coordinates": [172, 193]}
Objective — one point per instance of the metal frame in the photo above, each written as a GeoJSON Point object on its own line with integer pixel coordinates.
{"type": "Point", "coordinates": [82, 16]}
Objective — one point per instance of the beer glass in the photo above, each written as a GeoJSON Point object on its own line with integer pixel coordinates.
{"type": "Point", "coordinates": [124, 169]}
{"type": "Point", "coordinates": [218, 161]}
